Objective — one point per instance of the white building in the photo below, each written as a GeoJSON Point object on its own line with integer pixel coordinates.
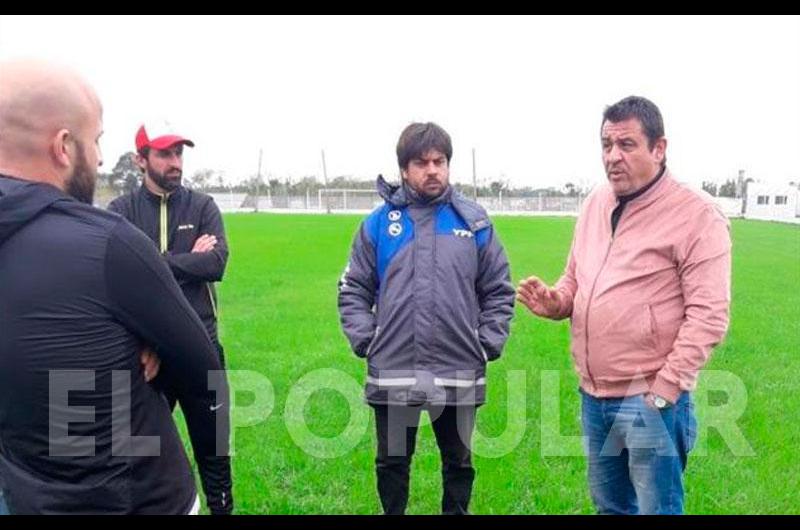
{"type": "Point", "coordinates": [772, 202]}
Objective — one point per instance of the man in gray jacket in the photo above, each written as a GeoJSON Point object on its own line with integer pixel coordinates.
{"type": "Point", "coordinates": [426, 298]}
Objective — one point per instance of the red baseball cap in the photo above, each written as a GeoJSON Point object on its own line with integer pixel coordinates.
{"type": "Point", "coordinates": [159, 136]}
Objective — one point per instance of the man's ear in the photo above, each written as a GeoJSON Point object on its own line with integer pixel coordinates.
{"type": "Point", "coordinates": [660, 150]}
{"type": "Point", "coordinates": [141, 161]}
{"type": "Point", "coordinates": [61, 147]}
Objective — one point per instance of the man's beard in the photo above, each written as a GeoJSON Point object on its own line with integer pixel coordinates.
{"type": "Point", "coordinates": [81, 183]}
{"type": "Point", "coordinates": [166, 183]}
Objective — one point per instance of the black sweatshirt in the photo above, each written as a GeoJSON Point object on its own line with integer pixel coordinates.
{"type": "Point", "coordinates": [174, 223]}
{"type": "Point", "coordinates": [80, 290]}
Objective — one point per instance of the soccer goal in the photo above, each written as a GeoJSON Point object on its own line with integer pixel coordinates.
{"type": "Point", "coordinates": [339, 199]}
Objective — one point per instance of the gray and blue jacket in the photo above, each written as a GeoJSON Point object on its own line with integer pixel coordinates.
{"type": "Point", "coordinates": [426, 298]}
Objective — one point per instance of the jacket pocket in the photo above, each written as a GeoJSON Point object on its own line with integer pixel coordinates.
{"type": "Point", "coordinates": [480, 346]}
{"type": "Point", "coordinates": [650, 327]}
{"type": "Point", "coordinates": [373, 341]}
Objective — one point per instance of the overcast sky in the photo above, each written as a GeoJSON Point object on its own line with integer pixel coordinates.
{"type": "Point", "coordinates": [526, 92]}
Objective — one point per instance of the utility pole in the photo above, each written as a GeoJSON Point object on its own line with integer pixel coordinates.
{"type": "Point", "coordinates": [258, 177]}
{"type": "Point", "coordinates": [474, 178]}
{"type": "Point", "coordinates": [325, 177]}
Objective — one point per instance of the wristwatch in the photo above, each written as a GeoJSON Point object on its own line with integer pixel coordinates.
{"type": "Point", "coordinates": [660, 402]}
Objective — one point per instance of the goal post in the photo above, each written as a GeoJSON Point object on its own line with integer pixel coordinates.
{"type": "Point", "coordinates": [336, 199]}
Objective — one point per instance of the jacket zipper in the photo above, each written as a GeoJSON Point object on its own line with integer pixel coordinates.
{"type": "Point", "coordinates": [163, 232]}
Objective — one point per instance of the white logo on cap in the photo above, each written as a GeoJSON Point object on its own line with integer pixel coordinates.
{"type": "Point", "coordinates": [395, 229]}
{"type": "Point", "coordinates": [395, 215]}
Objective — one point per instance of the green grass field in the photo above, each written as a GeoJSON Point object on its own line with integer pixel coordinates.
{"type": "Point", "coordinates": [279, 323]}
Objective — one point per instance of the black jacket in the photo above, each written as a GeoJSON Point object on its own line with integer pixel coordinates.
{"type": "Point", "coordinates": [80, 290]}
{"type": "Point", "coordinates": [189, 214]}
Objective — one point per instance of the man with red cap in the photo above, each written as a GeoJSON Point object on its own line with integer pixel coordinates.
{"type": "Point", "coordinates": [186, 227]}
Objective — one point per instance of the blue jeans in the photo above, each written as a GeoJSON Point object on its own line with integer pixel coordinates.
{"type": "Point", "coordinates": [637, 454]}
{"type": "Point", "coordinates": [3, 506]}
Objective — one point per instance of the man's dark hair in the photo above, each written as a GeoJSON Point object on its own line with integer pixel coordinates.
{"type": "Point", "coordinates": [419, 138]}
{"type": "Point", "coordinates": [643, 110]}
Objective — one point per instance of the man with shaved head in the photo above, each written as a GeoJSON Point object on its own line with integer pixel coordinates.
{"type": "Point", "coordinates": [50, 125]}
{"type": "Point", "coordinates": [81, 430]}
